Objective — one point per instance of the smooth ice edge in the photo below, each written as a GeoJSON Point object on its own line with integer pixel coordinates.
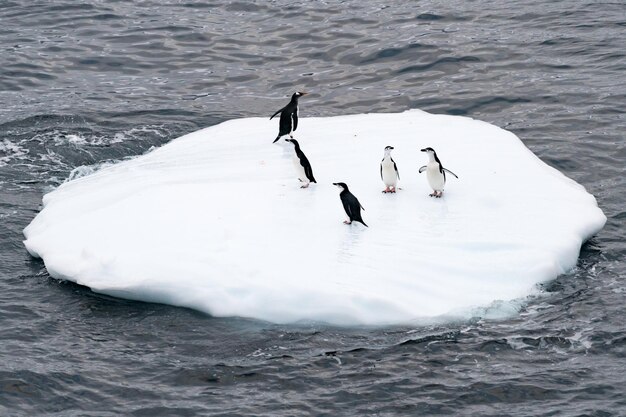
{"type": "Point", "coordinates": [216, 221]}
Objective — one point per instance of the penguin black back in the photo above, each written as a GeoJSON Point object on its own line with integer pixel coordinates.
{"type": "Point", "coordinates": [351, 204]}
{"type": "Point", "coordinates": [304, 161]}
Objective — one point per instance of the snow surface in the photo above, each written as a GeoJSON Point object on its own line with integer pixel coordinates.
{"type": "Point", "coordinates": [216, 221]}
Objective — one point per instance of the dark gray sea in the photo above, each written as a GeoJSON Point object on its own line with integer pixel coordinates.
{"type": "Point", "coordinates": [89, 82]}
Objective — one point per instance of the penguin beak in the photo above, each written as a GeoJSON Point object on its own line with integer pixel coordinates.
{"type": "Point", "coordinates": [423, 150]}
{"type": "Point", "coordinates": [303, 93]}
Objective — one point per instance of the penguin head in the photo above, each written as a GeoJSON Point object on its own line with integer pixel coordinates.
{"type": "Point", "coordinates": [432, 155]}
{"type": "Point", "coordinates": [341, 185]}
{"type": "Point", "coordinates": [293, 142]}
{"type": "Point", "coordinates": [298, 94]}
{"type": "Point", "coordinates": [388, 149]}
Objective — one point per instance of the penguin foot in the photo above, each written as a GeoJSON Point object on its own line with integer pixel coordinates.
{"type": "Point", "coordinates": [347, 222]}
{"type": "Point", "coordinates": [304, 186]}
{"type": "Point", "coordinates": [433, 194]}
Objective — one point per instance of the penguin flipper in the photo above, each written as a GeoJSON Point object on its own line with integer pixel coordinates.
{"type": "Point", "coordinates": [309, 173]}
{"type": "Point", "coordinates": [381, 170]}
{"type": "Point", "coordinates": [396, 168]}
{"type": "Point", "coordinates": [346, 207]}
{"type": "Point", "coordinates": [447, 170]}
{"type": "Point", "coordinates": [278, 111]}
{"type": "Point", "coordinates": [422, 169]}
{"type": "Point", "coordinates": [294, 117]}
{"type": "Point", "coordinates": [355, 205]}
{"type": "Point", "coordinates": [357, 216]}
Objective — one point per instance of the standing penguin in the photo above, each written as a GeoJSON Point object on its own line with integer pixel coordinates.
{"type": "Point", "coordinates": [288, 116]}
{"type": "Point", "coordinates": [350, 204]}
{"type": "Point", "coordinates": [435, 173]}
{"type": "Point", "coordinates": [302, 165]}
{"type": "Point", "coordinates": [389, 171]}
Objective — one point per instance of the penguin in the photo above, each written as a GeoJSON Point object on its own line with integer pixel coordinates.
{"type": "Point", "coordinates": [435, 173]}
{"type": "Point", "coordinates": [288, 116]}
{"type": "Point", "coordinates": [389, 171]}
{"type": "Point", "coordinates": [302, 165]}
{"type": "Point", "coordinates": [350, 204]}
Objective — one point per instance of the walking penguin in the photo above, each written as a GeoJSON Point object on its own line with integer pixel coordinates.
{"type": "Point", "coordinates": [389, 171]}
{"type": "Point", "coordinates": [288, 116]}
{"type": "Point", "coordinates": [302, 165]}
{"type": "Point", "coordinates": [435, 173]}
{"type": "Point", "coordinates": [350, 204]}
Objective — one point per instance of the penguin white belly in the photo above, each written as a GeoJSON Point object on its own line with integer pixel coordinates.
{"type": "Point", "coordinates": [300, 170]}
{"type": "Point", "coordinates": [435, 178]}
{"type": "Point", "coordinates": [292, 124]}
{"type": "Point", "coordinates": [390, 178]}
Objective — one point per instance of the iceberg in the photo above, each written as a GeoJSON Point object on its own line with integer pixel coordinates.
{"type": "Point", "coordinates": [216, 221]}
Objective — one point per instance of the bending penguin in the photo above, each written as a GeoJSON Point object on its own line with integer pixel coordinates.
{"type": "Point", "coordinates": [350, 204]}
{"type": "Point", "coordinates": [435, 173]}
{"type": "Point", "coordinates": [302, 165]}
{"type": "Point", "coordinates": [389, 171]}
{"type": "Point", "coordinates": [288, 116]}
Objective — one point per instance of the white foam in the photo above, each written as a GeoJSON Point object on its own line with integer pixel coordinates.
{"type": "Point", "coordinates": [10, 151]}
{"type": "Point", "coordinates": [216, 221]}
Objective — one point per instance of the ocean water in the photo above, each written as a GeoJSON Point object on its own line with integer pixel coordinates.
{"type": "Point", "coordinates": [85, 84]}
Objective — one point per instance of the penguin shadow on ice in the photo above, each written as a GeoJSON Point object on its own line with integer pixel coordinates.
{"type": "Point", "coordinates": [435, 173]}
{"type": "Point", "coordinates": [349, 244]}
{"type": "Point", "coordinates": [436, 217]}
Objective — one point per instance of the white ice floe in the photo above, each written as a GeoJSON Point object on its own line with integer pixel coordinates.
{"type": "Point", "coordinates": [216, 221]}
